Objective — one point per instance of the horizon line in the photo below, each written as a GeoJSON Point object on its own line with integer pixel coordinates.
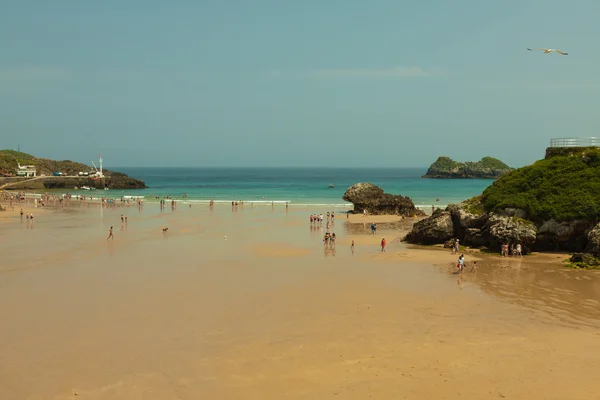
{"type": "Point", "coordinates": [264, 166]}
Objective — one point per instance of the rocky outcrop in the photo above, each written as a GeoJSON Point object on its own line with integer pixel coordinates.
{"type": "Point", "coordinates": [366, 196]}
{"type": "Point", "coordinates": [500, 229]}
{"type": "Point", "coordinates": [550, 205]}
{"type": "Point", "coordinates": [554, 235]}
{"type": "Point", "coordinates": [593, 244]}
{"type": "Point", "coordinates": [486, 168]}
{"type": "Point", "coordinates": [491, 230]}
{"type": "Point", "coordinates": [438, 228]}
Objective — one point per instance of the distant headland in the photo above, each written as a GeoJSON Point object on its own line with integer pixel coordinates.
{"type": "Point", "coordinates": [486, 168]}
{"type": "Point", "coordinates": [23, 171]}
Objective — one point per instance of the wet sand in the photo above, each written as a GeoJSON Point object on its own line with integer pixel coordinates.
{"type": "Point", "coordinates": [269, 314]}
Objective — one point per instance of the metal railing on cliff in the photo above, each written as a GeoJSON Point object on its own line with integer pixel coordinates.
{"type": "Point", "coordinates": [575, 142]}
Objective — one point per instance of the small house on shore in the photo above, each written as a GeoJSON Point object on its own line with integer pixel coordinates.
{"type": "Point", "coordinates": [29, 171]}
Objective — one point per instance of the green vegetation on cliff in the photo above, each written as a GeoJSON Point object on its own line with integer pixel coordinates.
{"type": "Point", "coordinates": [10, 159]}
{"type": "Point", "coordinates": [487, 167]}
{"type": "Point", "coordinates": [493, 163]}
{"type": "Point", "coordinates": [445, 163]}
{"type": "Point", "coordinates": [563, 187]}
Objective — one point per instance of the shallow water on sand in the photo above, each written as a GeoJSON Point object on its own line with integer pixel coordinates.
{"type": "Point", "coordinates": [267, 313]}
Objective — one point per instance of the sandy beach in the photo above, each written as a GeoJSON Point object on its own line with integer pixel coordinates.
{"type": "Point", "coordinates": [247, 303]}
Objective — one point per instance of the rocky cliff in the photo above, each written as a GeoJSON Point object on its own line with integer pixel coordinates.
{"type": "Point", "coordinates": [486, 168]}
{"type": "Point", "coordinates": [9, 160]}
{"type": "Point", "coordinates": [366, 196]}
{"type": "Point", "coordinates": [550, 205]}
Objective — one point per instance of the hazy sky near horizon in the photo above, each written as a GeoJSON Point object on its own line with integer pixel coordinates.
{"type": "Point", "coordinates": [296, 83]}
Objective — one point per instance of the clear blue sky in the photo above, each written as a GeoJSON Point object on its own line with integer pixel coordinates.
{"type": "Point", "coordinates": [298, 83]}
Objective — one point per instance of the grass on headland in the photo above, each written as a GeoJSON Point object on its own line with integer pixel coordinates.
{"type": "Point", "coordinates": [563, 188]}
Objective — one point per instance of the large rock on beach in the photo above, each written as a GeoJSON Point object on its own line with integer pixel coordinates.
{"type": "Point", "coordinates": [367, 196]}
{"type": "Point", "coordinates": [500, 229]}
{"type": "Point", "coordinates": [438, 228]}
{"type": "Point", "coordinates": [593, 244]}
{"type": "Point", "coordinates": [573, 235]}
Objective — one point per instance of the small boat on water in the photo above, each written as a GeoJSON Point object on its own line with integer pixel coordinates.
{"type": "Point", "coordinates": [331, 186]}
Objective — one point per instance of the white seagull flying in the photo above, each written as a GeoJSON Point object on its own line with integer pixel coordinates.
{"type": "Point", "coordinates": [547, 51]}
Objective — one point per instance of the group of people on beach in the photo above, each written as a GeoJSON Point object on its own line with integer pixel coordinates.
{"type": "Point", "coordinates": [316, 220]}
{"type": "Point", "coordinates": [460, 264]}
{"type": "Point", "coordinates": [511, 249]}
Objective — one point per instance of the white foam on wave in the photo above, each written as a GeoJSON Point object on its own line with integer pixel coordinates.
{"type": "Point", "coordinates": [442, 206]}
{"type": "Point", "coordinates": [266, 203]}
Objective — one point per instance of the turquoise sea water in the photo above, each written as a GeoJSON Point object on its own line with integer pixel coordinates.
{"type": "Point", "coordinates": [298, 186]}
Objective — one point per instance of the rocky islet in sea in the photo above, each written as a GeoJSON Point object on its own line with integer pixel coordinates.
{"type": "Point", "coordinates": [486, 168]}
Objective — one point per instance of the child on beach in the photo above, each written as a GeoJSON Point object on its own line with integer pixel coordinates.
{"type": "Point", "coordinates": [456, 247]}
{"type": "Point", "coordinates": [383, 243]}
{"type": "Point", "coordinates": [110, 234]}
{"type": "Point", "coordinates": [352, 247]}
{"type": "Point", "coordinates": [461, 263]}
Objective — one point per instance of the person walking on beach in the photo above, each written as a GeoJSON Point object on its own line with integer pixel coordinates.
{"type": "Point", "coordinates": [373, 228]}
{"type": "Point", "coordinates": [456, 247]}
{"type": "Point", "coordinates": [110, 234]}
{"type": "Point", "coordinates": [383, 243]}
{"type": "Point", "coordinates": [352, 247]}
{"type": "Point", "coordinates": [461, 263]}
{"type": "Point", "coordinates": [326, 239]}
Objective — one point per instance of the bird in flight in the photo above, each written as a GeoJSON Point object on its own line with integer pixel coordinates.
{"type": "Point", "coordinates": [546, 51]}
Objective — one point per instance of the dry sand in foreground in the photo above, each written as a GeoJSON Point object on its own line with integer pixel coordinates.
{"type": "Point", "coordinates": [264, 315]}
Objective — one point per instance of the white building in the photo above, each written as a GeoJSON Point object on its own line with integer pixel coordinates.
{"type": "Point", "coordinates": [29, 171]}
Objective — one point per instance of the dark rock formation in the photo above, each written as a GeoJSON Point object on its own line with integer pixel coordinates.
{"type": "Point", "coordinates": [366, 196]}
{"type": "Point", "coordinates": [550, 205]}
{"type": "Point", "coordinates": [593, 244]}
{"type": "Point", "coordinates": [500, 229]}
{"type": "Point", "coordinates": [438, 228]}
{"type": "Point", "coordinates": [487, 168]}
{"type": "Point", "coordinates": [584, 260]}
{"type": "Point", "coordinates": [491, 230]}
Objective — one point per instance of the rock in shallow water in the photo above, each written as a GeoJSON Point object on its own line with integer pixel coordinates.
{"type": "Point", "coordinates": [367, 196]}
